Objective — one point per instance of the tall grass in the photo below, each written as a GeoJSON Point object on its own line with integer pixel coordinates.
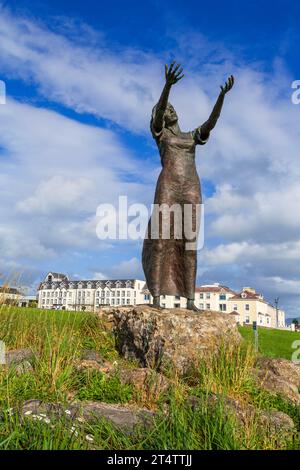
{"type": "Point", "coordinates": [57, 340]}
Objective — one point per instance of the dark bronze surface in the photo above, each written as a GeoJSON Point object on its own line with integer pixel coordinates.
{"type": "Point", "coordinates": [169, 268]}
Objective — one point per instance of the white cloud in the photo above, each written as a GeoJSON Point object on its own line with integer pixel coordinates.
{"type": "Point", "coordinates": [252, 158]}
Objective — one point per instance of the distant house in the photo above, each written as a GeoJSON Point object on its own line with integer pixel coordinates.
{"type": "Point", "coordinates": [9, 295]}
{"type": "Point", "coordinates": [249, 306]}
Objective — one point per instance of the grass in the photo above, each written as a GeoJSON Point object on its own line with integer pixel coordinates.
{"type": "Point", "coordinates": [58, 338]}
{"type": "Point", "coordinates": [272, 343]}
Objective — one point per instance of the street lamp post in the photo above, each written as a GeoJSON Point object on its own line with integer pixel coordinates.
{"type": "Point", "coordinates": [276, 305]}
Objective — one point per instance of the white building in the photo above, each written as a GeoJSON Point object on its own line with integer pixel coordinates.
{"type": "Point", "coordinates": [58, 292]}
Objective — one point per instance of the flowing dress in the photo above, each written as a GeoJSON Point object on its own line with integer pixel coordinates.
{"type": "Point", "coordinates": [170, 269]}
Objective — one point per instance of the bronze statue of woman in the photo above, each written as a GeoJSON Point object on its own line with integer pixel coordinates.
{"type": "Point", "coordinates": [170, 268]}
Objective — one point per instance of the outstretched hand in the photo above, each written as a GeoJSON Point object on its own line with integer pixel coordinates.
{"type": "Point", "coordinates": [228, 85]}
{"type": "Point", "coordinates": [173, 74]}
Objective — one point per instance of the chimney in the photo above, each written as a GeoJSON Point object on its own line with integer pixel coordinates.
{"type": "Point", "coordinates": [249, 289]}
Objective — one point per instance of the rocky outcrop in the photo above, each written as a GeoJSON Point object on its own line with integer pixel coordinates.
{"type": "Point", "coordinates": [147, 380]}
{"type": "Point", "coordinates": [127, 418]}
{"type": "Point", "coordinates": [167, 338]}
{"type": "Point", "coordinates": [17, 356]}
{"type": "Point", "coordinates": [279, 376]}
{"type": "Point", "coordinates": [268, 422]}
{"type": "Point", "coordinates": [91, 359]}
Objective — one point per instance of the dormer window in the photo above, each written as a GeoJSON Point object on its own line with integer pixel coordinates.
{"type": "Point", "coordinates": [49, 278]}
{"type": "Point", "coordinates": [243, 295]}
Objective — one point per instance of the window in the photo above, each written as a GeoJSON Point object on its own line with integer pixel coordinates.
{"type": "Point", "coordinates": [235, 307]}
{"type": "Point", "coordinates": [247, 307]}
{"type": "Point", "coordinates": [222, 307]}
{"type": "Point", "coordinates": [177, 297]}
{"type": "Point", "coordinates": [177, 305]}
{"type": "Point", "coordinates": [208, 295]}
{"type": "Point", "coordinates": [123, 293]}
{"type": "Point", "coordinates": [146, 297]}
{"type": "Point", "coordinates": [222, 296]}
{"type": "Point", "coordinates": [128, 293]}
{"type": "Point", "coordinates": [118, 302]}
{"type": "Point", "coordinates": [128, 301]}
{"type": "Point", "coordinates": [201, 296]}
{"type": "Point", "coordinates": [118, 293]}
{"type": "Point", "coordinates": [123, 301]}
{"type": "Point", "coordinates": [113, 301]}
{"type": "Point", "coordinates": [163, 305]}
{"type": "Point", "coordinates": [201, 306]}
{"type": "Point", "coordinates": [247, 319]}
{"type": "Point", "coordinates": [207, 306]}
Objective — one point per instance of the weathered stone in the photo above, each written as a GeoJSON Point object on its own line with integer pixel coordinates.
{"type": "Point", "coordinates": [163, 338]}
{"type": "Point", "coordinates": [17, 356]}
{"type": "Point", "coordinates": [92, 355]}
{"type": "Point", "coordinates": [92, 365]}
{"type": "Point", "coordinates": [91, 359]}
{"type": "Point", "coordinates": [23, 368]}
{"type": "Point", "coordinates": [269, 422]}
{"type": "Point", "coordinates": [148, 380]}
{"type": "Point", "coordinates": [283, 368]}
{"type": "Point", "coordinates": [126, 418]}
{"type": "Point", "coordinates": [279, 376]}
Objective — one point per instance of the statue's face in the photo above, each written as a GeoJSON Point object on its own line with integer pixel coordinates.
{"type": "Point", "coordinates": [170, 115]}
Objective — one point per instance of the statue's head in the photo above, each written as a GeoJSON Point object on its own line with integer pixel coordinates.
{"type": "Point", "coordinates": [170, 115]}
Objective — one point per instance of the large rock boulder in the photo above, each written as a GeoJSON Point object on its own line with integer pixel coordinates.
{"type": "Point", "coordinates": [167, 338]}
{"type": "Point", "coordinates": [279, 376]}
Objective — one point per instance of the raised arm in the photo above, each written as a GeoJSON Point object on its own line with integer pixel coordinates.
{"type": "Point", "coordinates": [215, 114]}
{"type": "Point", "coordinates": [173, 74]}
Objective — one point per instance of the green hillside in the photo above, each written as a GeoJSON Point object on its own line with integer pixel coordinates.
{"type": "Point", "coordinates": [272, 343]}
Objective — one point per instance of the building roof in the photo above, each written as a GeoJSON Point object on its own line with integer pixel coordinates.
{"type": "Point", "coordinates": [214, 288]}
{"type": "Point", "coordinates": [248, 295]}
{"type": "Point", "coordinates": [88, 284]}
{"type": "Point", "coordinates": [9, 290]}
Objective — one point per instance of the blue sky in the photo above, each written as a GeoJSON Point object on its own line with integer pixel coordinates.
{"type": "Point", "coordinates": [82, 78]}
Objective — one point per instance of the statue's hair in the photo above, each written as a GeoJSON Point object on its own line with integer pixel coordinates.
{"type": "Point", "coordinates": [153, 115]}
